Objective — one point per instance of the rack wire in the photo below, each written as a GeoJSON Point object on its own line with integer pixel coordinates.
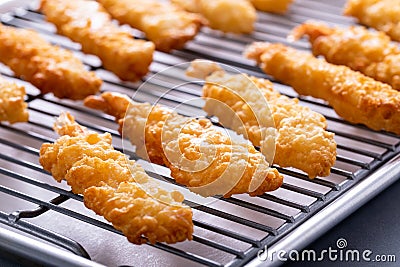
{"type": "Point", "coordinates": [245, 224]}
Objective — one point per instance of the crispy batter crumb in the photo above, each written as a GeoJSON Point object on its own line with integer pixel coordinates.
{"type": "Point", "coordinates": [12, 105]}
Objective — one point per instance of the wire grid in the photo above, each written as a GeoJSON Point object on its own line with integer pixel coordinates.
{"type": "Point", "coordinates": [360, 151]}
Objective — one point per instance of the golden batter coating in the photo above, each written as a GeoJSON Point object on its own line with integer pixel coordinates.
{"type": "Point", "coordinates": [165, 24]}
{"type": "Point", "coordinates": [355, 97]}
{"type": "Point", "coordinates": [87, 23]}
{"type": "Point", "coordinates": [225, 15]}
{"type": "Point", "coordinates": [115, 187]}
{"type": "Point", "coordinates": [369, 52]}
{"type": "Point", "coordinates": [131, 211]}
{"type": "Point", "coordinates": [50, 68]}
{"type": "Point", "coordinates": [12, 105]}
{"type": "Point", "coordinates": [80, 159]}
{"type": "Point", "coordinates": [206, 160]}
{"type": "Point", "coordinates": [79, 156]}
{"type": "Point", "coordinates": [274, 6]}
{"type": "Point", "coordinates": [382, 15]}
{"type": "Point", "coordinates": [188, 5]}
{"type": "Point", "coordinates": [302, 141]}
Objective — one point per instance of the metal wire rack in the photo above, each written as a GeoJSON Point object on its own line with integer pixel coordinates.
{"type": "Point", "coordinates": [228, 232]}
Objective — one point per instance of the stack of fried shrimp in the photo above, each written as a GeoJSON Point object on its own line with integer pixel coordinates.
{"type": "Point", "coordinates": [87, 23]}
{"type": "Point", "coordinates": [199, 156]}
{"type": "Point", "coordinates": [48, 67]}
{"type": "Point", "coordinates": [369, 52]}
{"type": "Point", "coordinates": [236, 16]}
{"type": "Point", "coordinates": [12, 105]}
{"type": "Point", "coordinates": [165, 24]}
{"type": "Point", "coordinates": [355, 97]}
{"type": "Point", "coordinates": [302, 141]}
{"type": "Point", "coordinates": [382, 15]}
{"type": "Point", "coordinates": [114, 187]}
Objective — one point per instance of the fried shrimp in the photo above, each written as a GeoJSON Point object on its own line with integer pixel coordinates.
{"type": "Point", "coordinates": [301, 142]}
{"type": "Point", "coordinates": [165, 24]}
{"type": "Point", "coordinates": [382, 15]}
{"type": "Point", "coordinates": [273, 6]}
{"type": "Point", "coordinates": [369, 52]}
{"type": "Point", "coordinates": [12, 105]}
{"type": "Point", "coordinates": [115, 187]}
{"type": "Point", "coordinates": [199, 156]}
{"type": "Point", "coordinates": [225, 15]}
{"type": "Point", "coordinates": [50, 68]}
{"type": "Point", "coordinates": [141, 218]}
{"type": "Point", "coordinates": [87, 23]}
{"type": "Point", "coordinates": [355, 97]}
